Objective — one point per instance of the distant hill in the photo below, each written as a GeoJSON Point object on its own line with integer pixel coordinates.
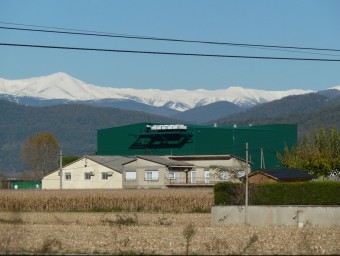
{"type": "Point", "coordinates": [331, 93]}
{"type": "Point", "coordinates": [75, 127]}
{"type": "Point", "coordinates": [309, 111]}
{"type": "Point", "coordinates": [208, 112]}
{"type": "Point", "coordinates": [115, 103]}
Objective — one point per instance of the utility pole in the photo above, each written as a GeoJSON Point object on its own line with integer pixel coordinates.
{"type": "Point", "coordinates": [61, 169]}
{"type": "Point", "coordinates": [246, 199]}
{"type": "Point", "coordinates": [263, 165]}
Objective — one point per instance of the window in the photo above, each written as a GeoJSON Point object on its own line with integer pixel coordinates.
{"type": "Point", "coordinates": [151, 175]}
{"type": "Point", "coordinates": [87, 175]}
{"type": "Point", "coordinates": [130, 175]}
{"type": "Point", "coordinates": [193, 176]}
{"type": "Point", "coordinates": [105, 176]}
{"type": "Point", "coordinates": [148, 175]}
{"type": "Point", "coordinates": [223, 175]}
{"type": "Point", "coordinates": [172, 175]}
{"type": "Point", "coordinates": [206, 175]}
{"type": "Point", "coordinates": [68, 176]}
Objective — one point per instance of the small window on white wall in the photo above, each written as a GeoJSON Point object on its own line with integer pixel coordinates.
{"type": "Point", "coordinates": [105, 176]}
{"type": "Point", "coordinates": [87, 175]}
{"type": "Point", "coordinates": [130, 175]}
{"type": "Point", "coordinates": [68, 176]}
{"type": "Point", "coordinates": [151, 175]}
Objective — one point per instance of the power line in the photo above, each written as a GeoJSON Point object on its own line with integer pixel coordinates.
{"type": "Point", "coordinates": [166, 53]}
{"type": "Point", "coordinates": [107, 34]}
{"type": "Point", "coordinates": [138, 37]}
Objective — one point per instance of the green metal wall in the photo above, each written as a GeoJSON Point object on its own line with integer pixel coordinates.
{"type": "Point", "coordinates": [207, 140]}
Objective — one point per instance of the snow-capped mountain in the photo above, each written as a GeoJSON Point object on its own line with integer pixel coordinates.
{"type": "Point", "coordinates": [336, 87]}
{"type": "Point", "coordinates": [64, 87]}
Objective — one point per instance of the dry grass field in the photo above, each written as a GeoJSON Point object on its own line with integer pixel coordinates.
{"type": "Point", "coordinates": [168, 230]}
{"type": "Point", "coordinates": [142, 200]}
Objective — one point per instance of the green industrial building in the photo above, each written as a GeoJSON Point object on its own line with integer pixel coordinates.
{"type": "Point", "coordinates": [264, 141]}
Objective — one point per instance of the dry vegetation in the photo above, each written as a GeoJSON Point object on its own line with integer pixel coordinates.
{"type": "Point", "coordinates": [167, 222]}
{"type": "Point", "coordinates": [158, 200]}
{"type": "Point", "coordinates": [154, 233]}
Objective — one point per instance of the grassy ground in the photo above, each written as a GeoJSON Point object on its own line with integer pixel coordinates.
{"type": "Point", "coordinates": [154, 233]}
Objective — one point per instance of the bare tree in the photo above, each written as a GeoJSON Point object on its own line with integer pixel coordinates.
{"type": "Point", "coordinates": [40, 153]}
{"type": "Point", "coordinates": [228, 173]}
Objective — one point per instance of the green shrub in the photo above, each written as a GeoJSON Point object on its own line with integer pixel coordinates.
{"type": "Point", "coordinates": [306, 193]}
{"type": "Point", "coordinates": [281, 193]}
{"type": "Point", "coordinates": [229, 193]}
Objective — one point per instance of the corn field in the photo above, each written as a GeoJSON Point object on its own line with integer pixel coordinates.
{"type": "Point", "coordinates": [157, 200]}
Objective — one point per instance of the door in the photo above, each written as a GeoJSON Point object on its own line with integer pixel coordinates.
{"type": "Point", "coordinates": [193, 176]}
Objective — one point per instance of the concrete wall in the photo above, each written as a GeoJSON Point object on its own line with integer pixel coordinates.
{"type": "Point", "coordinates": [276, 215]}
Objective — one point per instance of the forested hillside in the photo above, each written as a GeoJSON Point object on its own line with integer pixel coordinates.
{"type": "Point", "coordinates": [309, 112]}
{"type": "Point", "coordinates": [74, 126]}
{"type": "Point", "coordinates": [208, 112]}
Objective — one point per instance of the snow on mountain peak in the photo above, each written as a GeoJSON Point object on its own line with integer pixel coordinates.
{"type": "Point", "coordinates": [63, 86]}
{"type": "Point", "coordinates": [336, 87]}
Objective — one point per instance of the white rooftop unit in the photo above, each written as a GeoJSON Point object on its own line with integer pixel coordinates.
{"type": "Point", "coordinates": [167, 127]}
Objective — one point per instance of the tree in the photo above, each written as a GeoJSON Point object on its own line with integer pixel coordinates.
{"type": "Point", "coordinates": [228, 173]}
{"type": "Point", "coordinates": [188, 232]}
{"type": "Point", "coordinates": [69, 159]}
{"type": "Point", "coordinates": [40, 153]}
{"type": "Point", "coordinates": [319, 154]}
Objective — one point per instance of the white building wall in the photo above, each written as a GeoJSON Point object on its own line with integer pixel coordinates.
{"type": "Point", "coordinates": [202, 165]}
{"type": "Point", "coordinates": [78, 181]}
{"type": "Point", "coordinates": [141, 166]}
{"type": "Point", "coordinates": [208, 163]}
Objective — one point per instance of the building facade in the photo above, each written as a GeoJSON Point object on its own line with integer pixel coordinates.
{"type": "Point", "coordinates": [89, 172]}
{"type": "Point", "coordinates": [190, 171]}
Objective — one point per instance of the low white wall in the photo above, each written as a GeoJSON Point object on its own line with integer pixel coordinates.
{"type": "Point", "coordinates": [276, 215]}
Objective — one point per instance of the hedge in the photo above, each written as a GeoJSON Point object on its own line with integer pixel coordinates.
{"type": "Point", "coordinates": [281, 193]}
{"type": "Point", "coordinates": [227, 193]}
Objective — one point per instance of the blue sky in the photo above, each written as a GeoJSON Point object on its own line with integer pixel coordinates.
{"type": "Point", "coordinates": [304, 23]}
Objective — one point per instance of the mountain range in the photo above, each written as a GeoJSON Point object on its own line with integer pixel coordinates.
{"type": "Point", "coordinates": [52, 104]}
{"type": "Point", "coordinates": [195, 106]}
{"type": "Point", "coordinates": [61, 86]}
